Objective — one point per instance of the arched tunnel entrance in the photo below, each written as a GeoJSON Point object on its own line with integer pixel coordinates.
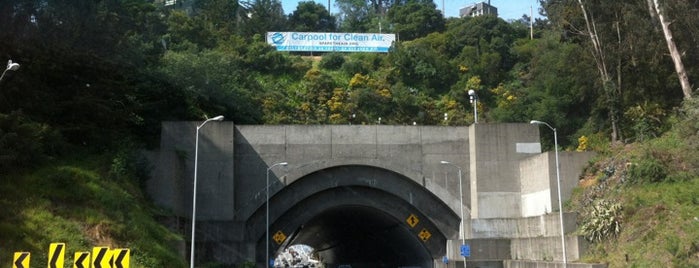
{"type": "Point", "coordinates": [361, 216]}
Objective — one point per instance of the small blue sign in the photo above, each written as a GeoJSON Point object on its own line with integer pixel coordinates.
{"type": "Point", "coordinates": [445, 260]}
{"type": "Point", "coordinates": [271, 262]}
{"type": "Point", "coordinates": [466, 250]}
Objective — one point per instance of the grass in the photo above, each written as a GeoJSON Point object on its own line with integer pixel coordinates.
{"type": "Point", "coordinates": [78, 202]}
{"type": "Point", "coordinates": [658, 189]}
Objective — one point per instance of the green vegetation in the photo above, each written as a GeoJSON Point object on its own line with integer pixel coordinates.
{"type": "Point", "coordinates": [98, 75]}
{"type": "Point", "coordinates": [79, 202]}
{"type": "Point", "coordinates": [639, 203]}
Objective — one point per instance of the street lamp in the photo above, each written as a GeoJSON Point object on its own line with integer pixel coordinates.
{"type": "Point", "coordinates": [461, 203]}
{"type": "Point", "coordinates": [11, 66]}
{"type": "Point", "coordinates": [473, 98]}
{"type": "Point", "coordinates": [194, 195]}
{"type": "Point", "coordinates": [267, 212]}
{"type": "Point", "coordinates": [558, 179]}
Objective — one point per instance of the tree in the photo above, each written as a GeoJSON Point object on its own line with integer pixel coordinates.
{"type": "Point", "coordinates": [674, 52]}
{"type": "Point", "coordinates": [311, 17]}
{"type": "Point", "coordinates": [264, 16]}
{"type": "Point", "coordinates": [355, 15]}
{"type": "Point", "coordinates": [415, 19]}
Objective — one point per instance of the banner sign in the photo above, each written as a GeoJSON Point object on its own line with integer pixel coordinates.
{"type": "Point", "coordinates": [329, 42]}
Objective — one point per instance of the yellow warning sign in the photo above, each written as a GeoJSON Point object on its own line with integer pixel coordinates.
{"type": "Point", "coordinates": [412, 220]}
{"type": "Point", "coordinates": [57, 253]}
{"type": "Point", "coordinates": [82, 259]}
{"type": "Point", "coordinates": [121, 258]}
{"type": "Point", "coordinates": [279, 237]}
{"type": "Point", "coordinates": [101, 257]}
{"type": "Point", "coordinates": [424, 235]}
{"type": "Point", "coordinates": [21, 260]}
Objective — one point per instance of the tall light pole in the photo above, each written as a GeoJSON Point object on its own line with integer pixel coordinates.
{"type": "Point", "coordinates": [461, 203]}
{"type": "Point", "coordinates": [473, 98]}
{"type": "Point", "coordinates": [194, 195]}
{"type": "Point", "coordinates": [558, 179]}
{"type": "Point", "coordinates": [267, 212]}
{"type": "Point", "coordinates": [11, 66]}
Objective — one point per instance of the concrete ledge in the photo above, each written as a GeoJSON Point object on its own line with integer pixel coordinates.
{"type": "Point", "coordinates": [543, 264]}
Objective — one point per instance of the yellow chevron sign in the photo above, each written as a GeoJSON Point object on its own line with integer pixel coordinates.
{"type": "Point", "coordinates": [82, 259]}
{"type": "Point", "coordinates": [21, 260]}
{"type": "Point", "coordinates": [57, 253]}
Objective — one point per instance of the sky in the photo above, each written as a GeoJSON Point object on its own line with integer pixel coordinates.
{"type": "Point", "coordinates": [507, 9]}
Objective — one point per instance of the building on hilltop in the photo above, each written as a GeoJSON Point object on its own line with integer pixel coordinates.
{"type": "Point", "coordinates": [185, 5]}
{"type": "Point", "coordinates": [478, 9]}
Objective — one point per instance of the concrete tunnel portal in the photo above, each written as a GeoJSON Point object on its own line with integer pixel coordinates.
{"type": "Point", "coordinates": [360, 215]}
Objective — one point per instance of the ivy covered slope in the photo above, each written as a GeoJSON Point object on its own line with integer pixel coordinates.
{"type": "Point", "coordinates": [86, 201]}
{"type": "Point", "coordinates": [639, 203]}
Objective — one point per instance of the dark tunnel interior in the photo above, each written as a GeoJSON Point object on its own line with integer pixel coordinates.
{"type": "Point", "coordinates": [362, 236]}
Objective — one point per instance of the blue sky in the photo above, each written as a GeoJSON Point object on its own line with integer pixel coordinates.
{"type": "Point", "coordinates": [507, 9]}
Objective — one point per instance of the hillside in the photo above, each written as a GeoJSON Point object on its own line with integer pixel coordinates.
{"type": "Point", "coordinates": [84, 200]}
{"type": "Point", "coordinates": [639, 203]}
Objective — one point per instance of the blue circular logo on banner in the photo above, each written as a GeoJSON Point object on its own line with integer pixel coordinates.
{"type": "Point", "coordinates": [277, 38]}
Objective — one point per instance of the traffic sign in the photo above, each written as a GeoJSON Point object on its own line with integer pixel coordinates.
{"type": "Point", "coordinates": [466, 250]}
{"type": "Point", "coordinates": [424, 235]}
{"type": "Point", "coordinates": [101, 257]}
{"type": "Point", "coordinates": [279, 237]}
{"type": "Point", "coordinates": [412, 220]}
{"type": "Point", "coordinates": [445, 260]}
{"type": "Point", "coordinates": [82, 259]}
{"type": "Point", "coordinates": [21, 260]}
{"type": "Point", "coordinates": [57, 253]}
{"type": "Point", "coordinates": [122, 258]}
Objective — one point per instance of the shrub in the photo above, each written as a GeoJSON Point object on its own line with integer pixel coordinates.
{"type": "Point", "coordinates": [25, 143]}
{"type": "Point", "coordinates": [332, 61]}
{"type": "Point", "coordinates": [602, 221]}
{"type": "Point", "coordinates": [648, 170]}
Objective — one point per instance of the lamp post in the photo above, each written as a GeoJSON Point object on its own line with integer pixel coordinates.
{"type": "Point", "coordinates": [558, 179]}
{"type": "Point", "coordinates": [473, 98]}
{"type": "Point", "coordinates": [11, 66]}
{"type": "Point", "coordinates": [194, 195]}
{"type": "Point", "coordinates": [267, 212]}
{"type": "Point", "coordinates": [461, 203]}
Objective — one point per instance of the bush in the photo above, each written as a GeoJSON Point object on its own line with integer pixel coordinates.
{"type": "Point", "coordinates": [602, 221]}
{"type": "Point", "coordinates": [332, 61]}
{"type": "Point", "coordinates": [648, 170]}
{"type": "Point", "coordinates": [25, 143]}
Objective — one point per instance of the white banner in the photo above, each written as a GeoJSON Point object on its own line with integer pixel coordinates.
{"type": "Point", "coordinates": [327, 42]}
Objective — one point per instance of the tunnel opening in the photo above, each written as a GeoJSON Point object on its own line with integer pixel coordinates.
{"type": "Point", "coordinates": [362, 236]}
{"type": "Point", "coordinates": [356, 215]}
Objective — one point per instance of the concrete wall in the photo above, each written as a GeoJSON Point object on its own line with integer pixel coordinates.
{"type": "Point", "coordinates": [535, 185]}
{"type": "Point", "coordinates": [501, 174]}
{"type": "Point", "coordinates": [171, 184]}
{"type": "Point", "coordinates": [412, 151]}
{"type": "Point", "coordinates": [496, 152]}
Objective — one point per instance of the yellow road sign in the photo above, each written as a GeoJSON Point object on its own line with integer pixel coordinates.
{"type": "Point", "coordinates": [424, 235]}
{"type": "Point", "coordinates": [412, 220]}
{"type": "Point", "coordinates": [82, 259]}
{"type": "Point", "coordinates": [57, 253]}
{"type": "Point", "coordinates": [279, 237]}
{"type": "Point", "coordinates": [21, 260]}
{"type": "Point", "coordinates": [122, 258]}
{"type": "Point", "coordinates": [101, 257]}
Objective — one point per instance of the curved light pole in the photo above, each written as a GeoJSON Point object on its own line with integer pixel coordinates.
{"type": "Point", "coordinates": [11, 66]}
{"type": "Point", "coordinates": [194, 195]}
{"type": "Point", "coordinates": [267, 212]}
{"type": "Point", "coordinates": [558, 179]}
{"type": "Point", "coordinates": [461, 203]}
